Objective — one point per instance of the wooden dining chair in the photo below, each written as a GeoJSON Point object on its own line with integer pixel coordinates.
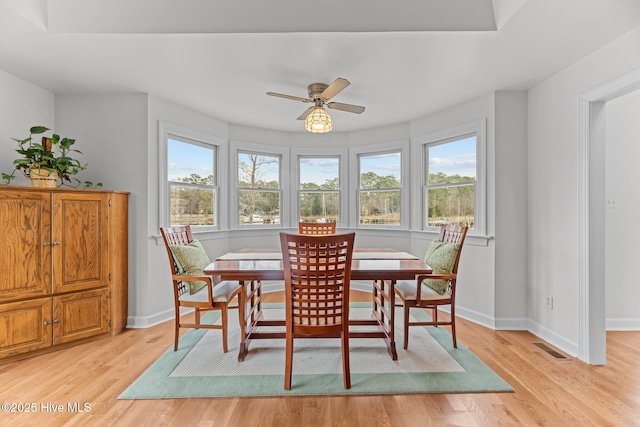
{"type": "Point", "coordinates": [317, 274]}
{"type": "Point", "coordinates": [191, 288]}
{"type": "Point", "coordinates": [436, 289]}
{"type": "Point", "coordinates": [316, 228]}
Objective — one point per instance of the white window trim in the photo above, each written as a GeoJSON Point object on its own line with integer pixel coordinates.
{"type": "Point", "coordinates": [285, 182]}
{"type": "Point", "coordinates": [165, 130]}
{"type": "Point", "coordinates": [354, 181]}
{"type": "Point", "coordinates": [479, 128]}
{"type": "Point", "coordinates": [343, 175]}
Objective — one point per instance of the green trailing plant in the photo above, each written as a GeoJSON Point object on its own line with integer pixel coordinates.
{"type": "Point", "coordinates": [52, 154]}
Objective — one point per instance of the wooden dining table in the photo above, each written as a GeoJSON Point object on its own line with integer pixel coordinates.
{"type": "Point", "coordinates": [382, 266]}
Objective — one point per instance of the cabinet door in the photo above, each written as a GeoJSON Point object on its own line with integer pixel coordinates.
{"type": "Point", "coordinates": [79, 241]}
{"type": "Point", "coordinates": [25, 326]}
{"type": "Point", "coordinates": [25, 251]}
{"type": "Point", "coordinates": [80, 315]}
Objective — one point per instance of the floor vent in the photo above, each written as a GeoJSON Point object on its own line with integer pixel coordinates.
{"type": "Point", "coordinates": [549, 350]}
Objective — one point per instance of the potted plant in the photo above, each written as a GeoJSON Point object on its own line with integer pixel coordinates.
{"type": "Point", "coordinates": [47, 162]}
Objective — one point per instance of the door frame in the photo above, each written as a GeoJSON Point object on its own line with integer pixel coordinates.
{"type": "Point", "coordinates": [591, 214]}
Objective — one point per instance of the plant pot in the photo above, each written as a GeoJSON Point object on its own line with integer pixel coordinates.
{"type": "Point", "coordinates": [42, 178]}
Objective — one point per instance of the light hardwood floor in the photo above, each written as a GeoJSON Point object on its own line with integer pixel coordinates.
{"type": "Point", "coordinates": [548, 392]}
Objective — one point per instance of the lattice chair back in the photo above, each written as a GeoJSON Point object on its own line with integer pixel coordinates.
{"type": "Point", "coordinates": [317, 228]}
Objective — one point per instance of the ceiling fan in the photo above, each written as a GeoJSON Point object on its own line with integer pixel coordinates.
{"type": "Point", "coordinates": [316, 119]}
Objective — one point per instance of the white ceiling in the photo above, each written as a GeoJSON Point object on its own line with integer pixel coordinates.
{"type": "Point", "coordinates": [220, 57]}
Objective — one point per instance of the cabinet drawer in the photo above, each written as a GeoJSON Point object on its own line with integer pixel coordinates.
{"type": "Point", "coordinates": [80, 315]}
{"type": "Point", "coordinates": [25, 326]}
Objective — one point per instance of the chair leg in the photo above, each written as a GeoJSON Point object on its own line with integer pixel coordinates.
{"type": "Point", "coordinates": [288, 363]}
{"type": "Point", "coordinates": [406, 325]}
{"type": "Point", "coordinates": [177, 330]}
{"type": "Point", "coordinates": [453, 326]}
{"type": "Point", "coordinates": [223, 314]}
{"type": "Point", "coordinates": [346, 365]}
{"type": "Point", "coordinates": [242, 305]}
{"type": "Point", "coordinates": [435, 315]}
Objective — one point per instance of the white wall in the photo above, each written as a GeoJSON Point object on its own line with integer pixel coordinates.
{"type": "Point", "coordinates": [511, 210]}
{"type": "Point", "coordinates": [121, 149]}
{"type": "Point", "coordinates": [22, 105]}
{"type": "Point", "coordinates": [475, 293]}
{"type": "Point", "coordinates": [477, 269]}
{"type": "Point", "coordinates": [622, 182]}
{"type": "Point", "coordinates": [552, 177]}
{"type": "Point", "coordinates": [111, 132]}
{"type": "Point", "coordinates": [476, 301]}
{"type": "Point", "coordinates": [157, 293]}
{"type": "Point", "coordinates": [118, 135]}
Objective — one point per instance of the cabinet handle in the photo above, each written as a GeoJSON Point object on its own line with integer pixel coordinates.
{"type": "Point", "coordinates": [56, 321]}
{"type": "Point", "coordinates": [46, 323]}
{"type": "Point", "coordinates": [45, 244]}
{"type": "Point", "coordinates": [56, 243]}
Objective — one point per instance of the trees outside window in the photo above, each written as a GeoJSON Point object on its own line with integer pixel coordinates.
{"type": "Point", "coordinates": [450, 181]}
{"type": "Point", "coordinates": [259, 189]}
{"type": "Point", "coordinates": [319, 189]}
{"type": "Point", "coordinates": [371, 191]}
{"type": "Point", "coordinates": [379, 189]}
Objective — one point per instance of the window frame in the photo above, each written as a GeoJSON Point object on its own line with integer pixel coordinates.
{"type": "Point", "coordinates": [343, 176]}
{"type": "Point", "coordinates": [423, 142]}
{"type": "Point", "coordinates": [355, 153]}
{"type": "Point", "coordinates": [284, 180]}
{"type": "Point", "coordinates": [168, 131]}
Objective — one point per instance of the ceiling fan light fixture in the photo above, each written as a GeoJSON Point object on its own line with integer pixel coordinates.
{"type": "Point", "coordinates": [319, 121]}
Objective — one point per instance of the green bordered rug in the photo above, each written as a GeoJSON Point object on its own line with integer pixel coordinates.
{"type": "Point", "coordinates": [200, 369]}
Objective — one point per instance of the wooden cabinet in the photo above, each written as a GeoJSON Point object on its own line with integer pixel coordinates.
{"type": "Point", "coordinates": [63, 267]}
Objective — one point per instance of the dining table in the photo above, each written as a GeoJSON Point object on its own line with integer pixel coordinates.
{"type": "Point", "coordinates": [382, 266]}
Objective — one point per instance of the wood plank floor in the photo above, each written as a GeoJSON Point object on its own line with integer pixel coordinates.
{"type": "Point", "coordinates": [549, 392]}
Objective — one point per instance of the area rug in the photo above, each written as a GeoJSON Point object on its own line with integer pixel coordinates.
{"type": "Point", "coordinates": [200, 369]}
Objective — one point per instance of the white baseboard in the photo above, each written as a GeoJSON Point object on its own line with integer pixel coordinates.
{"type": "Point", "coordinates": [155, 319]}
{"type": "Point", "coordinates": [473, 316]}
{"type": "Point", "coordinates": [512, 324]}
{"type": "Point", "coordinates": [623, 324]}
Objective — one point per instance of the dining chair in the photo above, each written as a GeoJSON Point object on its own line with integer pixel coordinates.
{"type": "Point", "coordinates": [316, 228]}
{"type": "Point", "coordinates": [191, 288]}
{"type": "Point", "coordinates": [317, 275]}
{"type": "Point", "coordinates": [439, 288]}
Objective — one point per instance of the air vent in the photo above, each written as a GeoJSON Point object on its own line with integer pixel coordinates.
{"type": "Point", "coordinates": [550, 351]}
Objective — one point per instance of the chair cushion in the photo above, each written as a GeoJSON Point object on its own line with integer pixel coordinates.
{"type": "Point", "coordinates": [441, 257]}
{"type": "Point", "coordinates": [407, 288]}
{"type": "Point", "coordinates": [221, 293]}
{"type": "Point", "coordinates": [191, 259]}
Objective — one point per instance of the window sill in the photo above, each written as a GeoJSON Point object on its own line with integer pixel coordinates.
{"type": "Point", "coordinates": [471, 239]}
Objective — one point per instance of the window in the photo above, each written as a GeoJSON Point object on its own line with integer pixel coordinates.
{"type": "Point", "coordinates": [259, 189]}
{"type": "Point", "coordinates": [379, 188]}
{"type": "Point", "coordinates": [319, 189]}
{"type": "Point", "coordinates": [453, 190]}
{"type": "Point", "coordinates": [192, 183]}
{"type": "Point", "coordinates": [189, 171]}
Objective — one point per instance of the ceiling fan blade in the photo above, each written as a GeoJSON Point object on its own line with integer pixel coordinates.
{"type": "Point", "coordinates": [345, 107]}
{"type": "Point", "coordinates": [334, 88]}
{"type": "Point", "coordinates": [306, 113]}
{"type": "Point", "coordinates": [295, 98]}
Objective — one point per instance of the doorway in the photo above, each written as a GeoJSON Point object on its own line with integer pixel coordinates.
{"type": "Point", "coordinates": [591, 214]}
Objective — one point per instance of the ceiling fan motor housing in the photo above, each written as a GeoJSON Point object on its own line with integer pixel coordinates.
{"type": "Point", "coordinates": [316, 89]}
